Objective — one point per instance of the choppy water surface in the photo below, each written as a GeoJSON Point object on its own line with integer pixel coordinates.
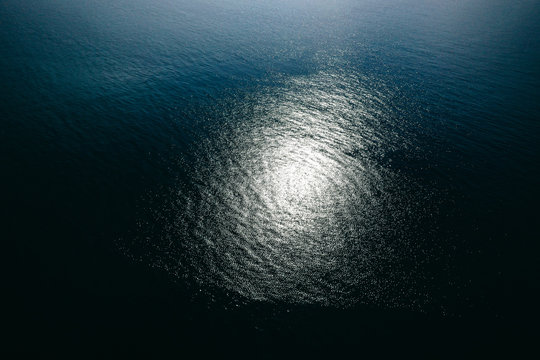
{"type": "Point", "coordinates": [324, 153]}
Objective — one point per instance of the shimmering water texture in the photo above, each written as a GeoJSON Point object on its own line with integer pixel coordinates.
{"type": "Point", "coordinates": [332, 154]}
{"type": "Point", "coordinates": [287, 203]}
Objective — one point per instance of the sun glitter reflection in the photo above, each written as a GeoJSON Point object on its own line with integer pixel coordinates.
{"type": "Point", "coordinates": [296, 179]}
{"type": "Point", "coordinates": [287, 207]}
{"type": "Point", "coordinates": [286, 203]}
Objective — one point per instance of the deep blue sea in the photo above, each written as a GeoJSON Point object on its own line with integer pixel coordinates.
{"type": "Point", "coordinates": [342, 171]}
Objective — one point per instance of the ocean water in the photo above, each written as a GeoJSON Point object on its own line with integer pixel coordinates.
{"type": "Point", "coordinates": [243, 169]}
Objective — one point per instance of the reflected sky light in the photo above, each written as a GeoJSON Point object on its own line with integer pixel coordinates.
{"type": "Point", "coordinates": [329, 153]}
{"type": "Point", "coordinates": [286, 203]}
{"type": "Point", "coordinates": [296, 178]}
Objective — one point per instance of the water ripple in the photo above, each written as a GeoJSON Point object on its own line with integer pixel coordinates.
{"type": "Point", "coordinates": [287, 202]}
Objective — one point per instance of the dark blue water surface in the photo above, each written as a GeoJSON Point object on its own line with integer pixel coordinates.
{"type": "Point", "coordinates": [185, 171]}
